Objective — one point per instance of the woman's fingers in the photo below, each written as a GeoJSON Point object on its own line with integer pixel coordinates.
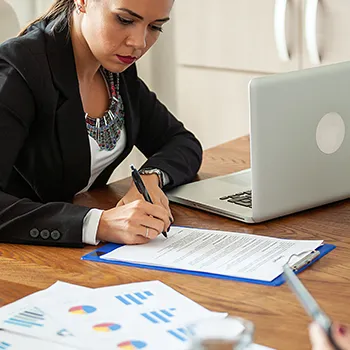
{"type": "Point", "coordinates": [133, 223]}
{"type": "Point", "coordinates": [133, 239]}
{"type": "Point", "coordinates": [153, 210]}
{"type": "Point", "coordinates": [163, 201]}
{"type": "Point", "coordinates": [157, 212]}
{"type": "Point", "coordinates": [152, 227]}
{"type": "Point", "coordinates": [319, 340]}
{"type": "Point", "coordinates": [158, 197]}
{"type": "Point", "coordinates": [341, 336]}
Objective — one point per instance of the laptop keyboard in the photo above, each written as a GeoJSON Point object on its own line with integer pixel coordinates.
{"type": "Point", "coordinates": [241, 198]}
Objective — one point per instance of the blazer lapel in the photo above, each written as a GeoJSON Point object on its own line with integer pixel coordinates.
{"type": "Point", "coordinates": [70, 116]}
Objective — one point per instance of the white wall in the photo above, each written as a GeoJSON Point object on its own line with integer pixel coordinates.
{"type": "Point", "coordinates": [200, 97]}
{"type": "Point", "coordinates": [9, 23]}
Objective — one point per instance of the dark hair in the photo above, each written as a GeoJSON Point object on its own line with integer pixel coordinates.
{"type": "Point", "coordinates": [60, 13]}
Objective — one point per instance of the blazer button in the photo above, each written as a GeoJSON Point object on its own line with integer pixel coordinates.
{"type": "Point", "coordinates": [45, 234]}
{"type": "Point", "coordinates": [34, 233]}
{"type": "Point", "coordinates": [56, 235]}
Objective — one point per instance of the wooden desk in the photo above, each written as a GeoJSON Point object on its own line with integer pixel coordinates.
{"type": "Point", "coordinates": [280, 321]}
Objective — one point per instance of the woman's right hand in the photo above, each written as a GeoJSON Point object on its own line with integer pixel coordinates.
{"type": "Point", "coordinates": [133, 223]}
{"type": "Point", "coordinates": [319, 339]}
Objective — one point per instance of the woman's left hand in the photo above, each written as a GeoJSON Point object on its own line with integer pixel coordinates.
{"type": "Point", "coordinates": [157, 195]}
{"type": "Point", "coordinates": [320, 341]}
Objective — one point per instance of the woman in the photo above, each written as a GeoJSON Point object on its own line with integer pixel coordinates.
{"type": "Point", "coordinates": [71, 109]}
{"type": "Point", "coordinates": [320, 341]}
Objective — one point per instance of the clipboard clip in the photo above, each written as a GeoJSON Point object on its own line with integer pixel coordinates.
{"type": "Point", "coordinates": [307, 259]}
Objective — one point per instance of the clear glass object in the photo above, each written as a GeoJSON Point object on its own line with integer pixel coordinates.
{"type": "Point", "coordinates": [231, 333]}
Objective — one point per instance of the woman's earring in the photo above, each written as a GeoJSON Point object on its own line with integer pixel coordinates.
{"type": "Point", "coordinates": [79, 7]}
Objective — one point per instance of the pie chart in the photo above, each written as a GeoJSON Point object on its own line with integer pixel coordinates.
{"type": "Point", "coordinates": [132, 345]}
{"type": "Point", "coordinates": [106, 327]}
{"type": "Point", "coordinates": [82, 310]}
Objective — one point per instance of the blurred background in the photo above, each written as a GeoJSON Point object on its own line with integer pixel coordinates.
{"type": "Point", "coordinates": [202, 64]}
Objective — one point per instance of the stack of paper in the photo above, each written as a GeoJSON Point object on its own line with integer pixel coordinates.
{"type": "Point", "coordinates": [240, 255]}
{"type": "Point", "coordinates": [145, 315]}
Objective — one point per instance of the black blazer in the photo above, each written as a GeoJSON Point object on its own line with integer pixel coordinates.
{"type": "Point", "coordinates": [45, 152]}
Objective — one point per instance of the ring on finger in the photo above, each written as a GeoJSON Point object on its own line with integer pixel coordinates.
{"type": "Point", "coordinates": [147, 232]}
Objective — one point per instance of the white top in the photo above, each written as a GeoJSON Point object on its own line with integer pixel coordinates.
{"type": "Point", "coordinates": [100, 159]}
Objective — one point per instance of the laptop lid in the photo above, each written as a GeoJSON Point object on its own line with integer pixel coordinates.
{"type": "Point", "coordinates": [300, 139]}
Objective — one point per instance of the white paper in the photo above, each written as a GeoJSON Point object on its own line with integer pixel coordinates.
{"type": "Point", "coordinates": [145, 315]}
{"type": "Point", "coordinates": [219, 252]}
{"type": "Point", "coordinates": [11, 341]}
{"type": "Point", "coordinates": [29, 316]}
{"type": "Point", "coordinates": [147, 312]}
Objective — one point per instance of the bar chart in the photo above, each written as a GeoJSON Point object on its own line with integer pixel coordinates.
{"type": "Point", "coordinates": [160, 316]}
{"type": "Point", "coordinates": [137, 298]}
{"type": "Point", "coordinates": [4, 345]}
{"type": "Point", "coordinates": [28, 318]}
{"type": "Point", "coordinates": [179, 333]}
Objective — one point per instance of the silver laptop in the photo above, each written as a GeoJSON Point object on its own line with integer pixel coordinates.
{"type": "Point", "coordinates": [299, 148]}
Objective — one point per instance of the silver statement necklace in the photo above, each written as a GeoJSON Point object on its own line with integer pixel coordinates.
{"type": "Point", "coordinates": [107, 129]}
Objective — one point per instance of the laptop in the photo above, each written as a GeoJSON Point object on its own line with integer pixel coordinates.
{"type": "Point", "coordinates": [299, 149]}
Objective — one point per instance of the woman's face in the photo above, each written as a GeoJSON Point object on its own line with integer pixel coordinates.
{"type": "Point", "coordinates": [118, 32]}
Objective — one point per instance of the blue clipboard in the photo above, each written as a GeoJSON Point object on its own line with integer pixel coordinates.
{"type": "Point", "coordinates": [96, 256]}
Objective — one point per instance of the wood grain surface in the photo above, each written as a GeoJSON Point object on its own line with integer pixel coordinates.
{"type": "Point", "coordinates": [280, 321]}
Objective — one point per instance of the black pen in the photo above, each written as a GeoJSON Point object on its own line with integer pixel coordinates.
{"type": "Point", "coordinates": [142, 188]}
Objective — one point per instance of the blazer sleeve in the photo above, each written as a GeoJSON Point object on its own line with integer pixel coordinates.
{"type": "Point", "coordinates": [165, 141]}
{"type": "Point", "coordinates": [22, 220]}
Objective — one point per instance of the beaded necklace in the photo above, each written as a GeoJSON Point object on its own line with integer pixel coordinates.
{"type": "Point", "coordinates": [107, 129]}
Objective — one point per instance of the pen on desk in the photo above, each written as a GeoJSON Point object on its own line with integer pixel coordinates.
{"type": "Point", "coordinates": [309, 303]}
{"type": "Point", "coordinates": [142, 188]}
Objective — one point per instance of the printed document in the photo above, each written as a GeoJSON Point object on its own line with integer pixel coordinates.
{"type": "Point", "coordinates": [145, 315]}
{"type": "Point", "coordinates": [218, 252]}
